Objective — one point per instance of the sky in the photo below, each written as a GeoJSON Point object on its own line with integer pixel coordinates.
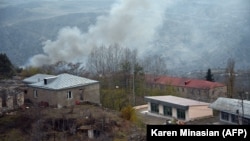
{"type": "Point", "coordinates": [187, 33]}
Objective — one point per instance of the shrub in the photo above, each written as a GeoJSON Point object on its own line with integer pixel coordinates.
{"type": "Point", "coordinates": [129, 113]}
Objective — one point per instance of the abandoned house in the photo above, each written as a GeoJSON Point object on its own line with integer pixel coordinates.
{"type": "Point", "coordinates": [182, 109]}
{"type": "Point", "coordinates": [61, 90]}
{"type": "Point", "coordinates": [11, 96]}
{"type": "Point", "coordinates": [195, 89]}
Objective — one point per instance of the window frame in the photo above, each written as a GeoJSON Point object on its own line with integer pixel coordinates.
{"type": "Point", "coordinates": [167, 110]}
{"type": "Point", "coordinates": [69, 94]}
{"type": "Point", "coordinates": [35, 93]}
{"type": "Point", "coordinates": [224, 116]}
{"type": "Point", "coordinates": [234, 118]}
{"type": "Point", "coordinates": [181, 114]}
{"type": "Point", "coordinates": [154, 107]}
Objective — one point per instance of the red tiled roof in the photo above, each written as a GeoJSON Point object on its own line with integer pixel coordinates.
{"type": "Point", "coordinates": [183, 82]}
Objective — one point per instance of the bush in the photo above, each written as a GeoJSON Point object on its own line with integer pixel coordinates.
{"type": "Point", "coordinates": [129, 113]}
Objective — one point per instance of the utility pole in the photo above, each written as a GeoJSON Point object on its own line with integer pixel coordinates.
{"type": "Point", "coordinates": [134, 87]}
{"type": "Point", "coordinates": [242, 105]}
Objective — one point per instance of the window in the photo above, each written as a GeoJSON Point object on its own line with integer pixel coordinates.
{"type": "Point", "coordinates": [224, 116]}
{"type": "Point", "coordinates": [167, 110]}
{"type": "Point", "coordinates": [35, 93]}
{"type": "Point", "coordinates": [246, 121]}
{"type": "Point", "coordinates": [234, 118]}
{"type": "Point", "coordinates": [181, 114]}
{"type": "Point", "coordinates": [69, 95]}
{"type": "Point", "coordinates": [154, 107]}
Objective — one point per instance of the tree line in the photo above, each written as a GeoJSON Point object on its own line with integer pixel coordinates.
{"type": "Point", "coordinates": [120, 71]}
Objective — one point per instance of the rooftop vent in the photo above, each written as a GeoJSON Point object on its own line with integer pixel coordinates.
{"type": "Point", "coordinates": [48, 80]}
{"type": "Point", "coordinates": [186, 82]}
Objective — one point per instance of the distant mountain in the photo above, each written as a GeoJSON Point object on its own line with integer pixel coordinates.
{"type": "Point", "coordinates": [196, 35]}
{"type": "Point", "coordinates": [25, 39]}
{"type": "Point", "coordinates": [25, 26]}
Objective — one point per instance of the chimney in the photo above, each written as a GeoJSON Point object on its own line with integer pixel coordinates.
{"type": "Point", "coordinates": [186, 82]}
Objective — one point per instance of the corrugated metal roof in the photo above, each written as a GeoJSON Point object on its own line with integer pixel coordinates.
{"type": "Point", "coordinates": [63, 81]}
{"type": "Point", "coordinates": [36, 78]}
{"type": "Point", "coordinates": [177, 100]}
{"type": "Point", "coordinates": [231, 105]}
{"type": "Point", "coordinates": [183, 82]}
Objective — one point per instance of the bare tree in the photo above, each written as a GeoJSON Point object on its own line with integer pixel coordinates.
{"type": "Point", "coordinates": [96, 60]}
{"type": "Point", "coordinates": [155, 65]}
{"type": "Point", "coordinates": [114, 57]}
{"type": "Point", "coordinates": [230, 77]}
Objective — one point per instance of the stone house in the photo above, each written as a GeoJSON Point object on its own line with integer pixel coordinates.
{"type": "Point", "coordinates": [195, 89]}
{"type": "Point", "coordinates": [11, 101]}
{"type": "Point", "coordinates": [61, 90]}
{"type": "Point", "coordinates": [182, 109]}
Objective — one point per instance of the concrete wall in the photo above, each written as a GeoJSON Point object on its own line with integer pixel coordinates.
{"type": "Point", "coordinates": [20, 99]}
{"type": "Point", "coordinates": [205, 95]}
{"type": "Point", "coordinates": [195, 112]}
{"type": "Point", "coordinates": [9, 102]}
{"type": "Point", "coordinates": [59, 98]}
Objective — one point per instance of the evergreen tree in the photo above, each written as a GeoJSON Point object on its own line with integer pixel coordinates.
{"type": "Point", "coordinates": [209, 76]}
{"type": "Point", "coordinates": [6, 68]}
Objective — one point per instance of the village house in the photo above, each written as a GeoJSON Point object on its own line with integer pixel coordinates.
{"type": "Point", "coordinates": [182, 109]}
{"type": "Point", "coordinates": [232, 111]}
{"type": "Point", "coordinates": [61, 90]}
{"type": "Point", "coordinates": [11, 95]}
{"type": "Point", "coordinates": [196, 89]}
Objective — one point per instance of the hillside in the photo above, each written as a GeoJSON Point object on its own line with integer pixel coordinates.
{"type": "Point", "coordinates": [69, 124]}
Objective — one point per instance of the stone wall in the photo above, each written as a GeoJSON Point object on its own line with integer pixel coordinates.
{"type": "Point", "coordinates": [90, 93]}
{"type": "Point", "coordinates": [205, 95]}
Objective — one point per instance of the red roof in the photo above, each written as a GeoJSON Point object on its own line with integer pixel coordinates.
{"type": "Point", "coordinates": [183, 82]}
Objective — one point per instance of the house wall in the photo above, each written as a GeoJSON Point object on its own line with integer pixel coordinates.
{"type": "Point", "coordinates": [161, 111]}
{"type": "Point", "coordinates": [92, 93]}
{"type": "Point", "coordinates": [205, 95]}
{"type": "Point", "coordinates": [9, 102]}
{"type": "Point", "coordinates": [20, 99]}
{"type": "Point", "coordinates": [59, 97]}
{"type": "Point", "coordinates": [238, 120]}
{"type": "Point", "coordinates": [195, 112]}
{"type": "Point", "coordinates": [149, 107]}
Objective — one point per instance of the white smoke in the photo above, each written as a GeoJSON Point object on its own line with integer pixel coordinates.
{"type": "Point", "coordinates": [131, 23]}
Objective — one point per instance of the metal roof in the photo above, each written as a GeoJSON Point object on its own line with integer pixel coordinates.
{"type": "Point", "coordinates": [63, 81]}
{"type": "Point", "coordinates": [231, 105]}
{"type": "Point", "coordinates": [36, 78]}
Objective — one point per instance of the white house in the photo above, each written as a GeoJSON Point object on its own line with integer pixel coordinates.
{"type": "Point", "coordinates": [182, 109]}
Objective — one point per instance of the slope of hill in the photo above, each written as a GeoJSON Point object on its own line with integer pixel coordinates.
{"type": "Point", "coordinates": [69, 124]}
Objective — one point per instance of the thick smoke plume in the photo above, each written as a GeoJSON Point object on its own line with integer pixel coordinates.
{"type": "Point", "coordinates": [131, 23]}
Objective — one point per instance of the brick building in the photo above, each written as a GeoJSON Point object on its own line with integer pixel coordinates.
{"type": "Point", "coordinates": [195, 89]}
